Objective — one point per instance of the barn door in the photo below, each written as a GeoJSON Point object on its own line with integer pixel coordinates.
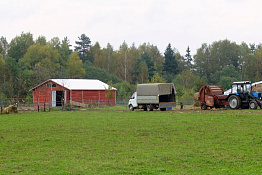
{"type": "Point", "coordinates": [53, 98]}
{"type": "Point", "coordinates": [65, 97]}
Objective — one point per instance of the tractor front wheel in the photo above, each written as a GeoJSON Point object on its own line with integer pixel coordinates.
{"type": "Point", "coordinates": [234, 102]}
{"type": "Point", "coordinates": [253, 104]}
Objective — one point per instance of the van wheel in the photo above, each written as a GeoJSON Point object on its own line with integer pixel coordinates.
{"type": "Point", "coordinates": [131, 107]}
{"type": "Point", "coordinates": [149, 107]}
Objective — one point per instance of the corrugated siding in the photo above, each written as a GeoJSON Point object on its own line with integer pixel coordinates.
{"type": "Point", "coordinates": [92, 96]}
{"type": "Point", "coordinates": [44, 96]}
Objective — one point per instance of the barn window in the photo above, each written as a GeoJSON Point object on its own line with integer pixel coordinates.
{"type": "Point", "coordinates": [50, 85]}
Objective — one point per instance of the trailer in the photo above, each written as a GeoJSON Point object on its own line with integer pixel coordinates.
{"type": "Point", "coordinates": [212, 96]}
{"type": "Point", "coordinates": [151, 96]}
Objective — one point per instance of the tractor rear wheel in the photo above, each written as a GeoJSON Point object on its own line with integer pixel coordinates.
{"type": "Point", "coordinates": [253, 104]}
{"type": "Point", "coordinates": [234, 102]}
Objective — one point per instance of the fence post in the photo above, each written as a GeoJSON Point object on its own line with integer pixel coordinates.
{"type": "Point", "coordinates": [1, 109]}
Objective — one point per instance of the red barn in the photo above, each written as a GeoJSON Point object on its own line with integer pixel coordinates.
{"type": "Point", "coordinates": [56, 92]}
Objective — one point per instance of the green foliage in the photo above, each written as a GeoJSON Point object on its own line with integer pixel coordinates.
{"type": "Point", "coordinates": [143, 74]}
{"type": "Point", "coordinates": [41, 40]}
{"type": "Point", "coordinates": [187, 79]}
{"type": "Point", "coordinates": [187, 95]}
{"type": "Point", "coordinates": [199, 82]}
{"type": "Point", "coordinates": [230, 71]}
{"type": "Point", "coordinates": [179, 91]}
{"type": "Point", "coordinates": [97, 56]}
{"type": "Point", "coordinates": [74, 66]}
{"type": "Point", "coordinates": [170, 64]}
{"type": "Point", "coordinates": [150, 64]}
{"type": "Point", "coordinates": [4, 46]}
{"type": "Point", "coordinates": [157, 78]}
{"type": "Point", "coordinates": [227, 76]}
{"type": "Point", "coordinates": [29, 62]}
{"type": "Point", "coordinates": [124, 90]}
{"type": "Point", "coordinates": [109, 92]}
{"type": "Point", "coordinates": [2, 68]}
{"type": "Point", "coordinates": [46, 55]}
{"type": "Point", "coordinates": [3, 99]}
{"type": "Point", "coordinates": [210, 59]}
{"type": "Point", "coordinates": [19, 45]}
{"type": "Point", "coordinates": [225, 82]}
{"type": "Point", "coordinates": [93, 72]}
{"type": "Point", "coordinates": [188, 58]}
{"type": "Point", "coordinates": [83, 47]}
{"type": "Point", "coordinates": [258, 66]}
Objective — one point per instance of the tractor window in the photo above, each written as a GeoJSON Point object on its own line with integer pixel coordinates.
{"type": "Point", "coordinates": [247, 88]}
{"type": "Point", "coordinates": [234, 88]}
{"type": "Point", "coordinates": [239, 88]}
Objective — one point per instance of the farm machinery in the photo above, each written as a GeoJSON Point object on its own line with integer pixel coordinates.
{"type": "Point", "coordinates": [212, 96]}
{"type": "Point", "coordinates": [241, 96]}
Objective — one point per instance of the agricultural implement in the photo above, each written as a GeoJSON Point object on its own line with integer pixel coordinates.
{"type": "Point", "coordinates": [212, 96]}
{"type": "Point", "coordinates": [241, 96]}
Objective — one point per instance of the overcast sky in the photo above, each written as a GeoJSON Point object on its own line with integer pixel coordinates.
{"type": "Point", "coordinates": [179, 22]}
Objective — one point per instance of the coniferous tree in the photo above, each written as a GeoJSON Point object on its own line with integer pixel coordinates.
{"type": "Point", "coordinates": [188, 58]}
{"type": "Point", "coordinates": [170, 64]}
{"type": "Point", "coordinates": [83, 47]}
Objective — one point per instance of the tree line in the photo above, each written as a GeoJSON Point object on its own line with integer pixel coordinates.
{"type": "Point", "coordinates": [25, 63]}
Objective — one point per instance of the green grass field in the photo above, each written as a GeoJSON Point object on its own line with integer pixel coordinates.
{"type": "Point", "coordinates": [116, 141]}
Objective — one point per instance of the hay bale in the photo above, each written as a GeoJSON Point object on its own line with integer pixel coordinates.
{"type": "Point", "coordinates": [257, 88]}
{"type": "Point", "coordinates": [197, 103]}
{"type": "Point", "coordinates": [10, 109]}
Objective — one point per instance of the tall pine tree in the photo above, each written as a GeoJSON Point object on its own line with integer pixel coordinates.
{"type": "Point", "coordinates": [83, 47]}
{"type": "Point", "coordinates": [188, 58]}
{"type": "Point", "coordinates": [170, 64]}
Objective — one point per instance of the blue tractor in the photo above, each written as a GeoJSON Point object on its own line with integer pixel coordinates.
{"type": "Point", "coordinates": [241, 96]}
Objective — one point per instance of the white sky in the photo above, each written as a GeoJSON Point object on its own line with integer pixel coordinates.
{"type": "Point", "coordinates": [179, 22]}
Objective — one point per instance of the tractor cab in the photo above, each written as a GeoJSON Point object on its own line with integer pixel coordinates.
{"type": "Point", "coordinates": [242, 89]}
{"type": "Point", "coordinates": [241, 96]}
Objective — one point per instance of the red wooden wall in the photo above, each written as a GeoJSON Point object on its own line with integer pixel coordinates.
{"type": "Point", "coordinates": [92, 96]}
{"type": "Point", "coordinates": [42, 95]}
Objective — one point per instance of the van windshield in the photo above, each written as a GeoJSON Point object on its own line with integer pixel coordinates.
{"type": "Point", "coordinates": [133, 96]}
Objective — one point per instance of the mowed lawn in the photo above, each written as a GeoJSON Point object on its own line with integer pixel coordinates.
{"type": "Point", "coordinates": [122, 142]}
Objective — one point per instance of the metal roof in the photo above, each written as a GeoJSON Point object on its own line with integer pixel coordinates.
{"type": "Point", "coordinates": [242, 82]}
{"type": "Point", "coordinates": [80, 84]}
